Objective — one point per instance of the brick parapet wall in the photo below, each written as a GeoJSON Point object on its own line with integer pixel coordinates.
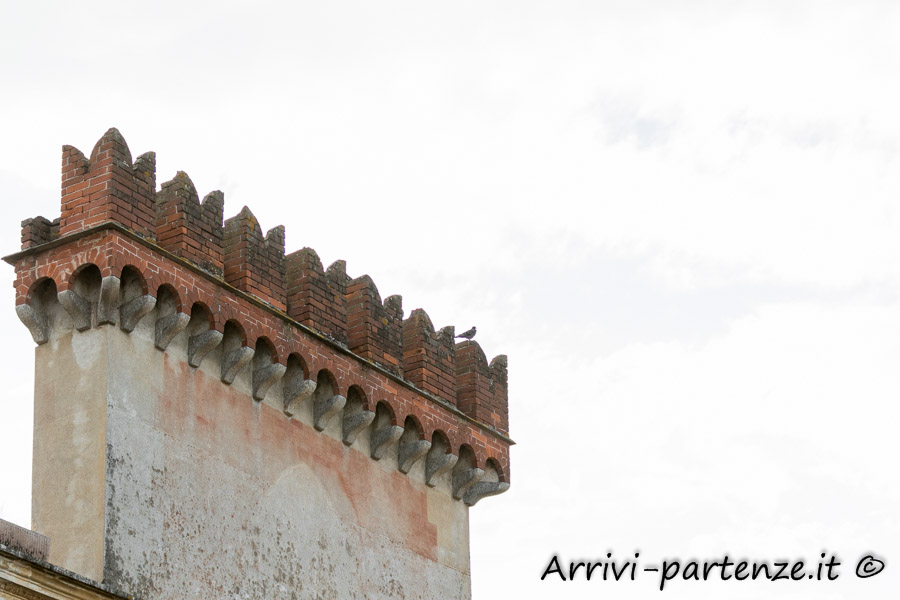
{"type": "Point", "coordinates": [481, 387]}
{"type": "Point", "coordinates": [374, 327]}
{"type": "Point", "coordinates": [112, 252]}
{"type": "Point", "coordinates": [317, 297]}
{"type": "Point", "coordinates": [188, 228]}
{"type": "Point", "coordinates": [429, 356]}
{"type": "Point", "coordinates": [253, 263]}
{"type": "Point", "coordinates": [39, 231]}
{"type": "Point", "coordinates": [108, 187]}
{"type": "Point", "coordinates": [175, 241]}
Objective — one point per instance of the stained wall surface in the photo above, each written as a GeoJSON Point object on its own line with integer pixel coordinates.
{"type": "Point", "coordinates": [210, 494]}
{"type": "Point", "coordinates": [69, 449]}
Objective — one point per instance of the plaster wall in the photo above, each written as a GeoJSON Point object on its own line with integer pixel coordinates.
{"type": "Point", "coordinates": [69, 450]}
{"type": "Point", "coordinates": [172, 484]}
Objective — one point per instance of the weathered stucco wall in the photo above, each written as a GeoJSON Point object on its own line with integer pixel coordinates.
{"type": "Point", "coordinates": [69, 453]}
{"type": "Point", "coordinates": [210, 494]}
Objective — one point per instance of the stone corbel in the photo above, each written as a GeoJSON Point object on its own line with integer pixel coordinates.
{"type": "Point", "coordinates": [132, 311]}
{"type": "Point", "coordinates": [325, 408]}
{"type": "Point", "coordinates": [465, 479]}
{"type": "Point", "coordinates": [296, 392]}
{"type": "Point", "coordinates": [353, 425]}
{"type": "Point", "coordinates": [383, 438]}
{"type": "Point", "coordinates": [435, 466]}
{"type": "Point", "coordinates": [108, 304]}
{"type": "Point", "coordinates": [234, 361]}
{"type": "Point", "coordinates": [483, 489]}
{"type": "Point", "coordinates": [168, 327]}
{"type": "Point", "coordinates": [264, 377]}
{"type": "Point", "coordinates": [36, 321]}
{"type": "Point", "coordinates": [78, 308]}
{"type": "Point", "coordinates": [201, 344]}
{"type": "Point", "coordinates": [410, 453]}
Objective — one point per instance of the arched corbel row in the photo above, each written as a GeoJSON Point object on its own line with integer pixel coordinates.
{"type": "Point", "coordinates": [89, 298]}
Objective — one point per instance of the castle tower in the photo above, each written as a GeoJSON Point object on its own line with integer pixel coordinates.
{"type": "Point", "coordinates": [214, 419]}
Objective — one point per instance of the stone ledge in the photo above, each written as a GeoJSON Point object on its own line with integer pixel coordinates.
{"type": "Point", "coordinates": [26, 541]}
{"type": "Point", "coordinates": [23, 576]}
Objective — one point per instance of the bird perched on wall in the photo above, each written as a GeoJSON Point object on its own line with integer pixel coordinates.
{"type": "Point", "coordinates": [468, 334]}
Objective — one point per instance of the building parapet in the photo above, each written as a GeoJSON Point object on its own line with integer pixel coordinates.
{"type": "Point", "coordinates": [121, 250]}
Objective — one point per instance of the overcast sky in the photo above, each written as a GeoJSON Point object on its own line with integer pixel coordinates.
{"type": "Point", "coordinates": [678, 219]}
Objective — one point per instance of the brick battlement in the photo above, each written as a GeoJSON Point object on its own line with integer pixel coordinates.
{"type": "Point", "coordinates": [122, 250]}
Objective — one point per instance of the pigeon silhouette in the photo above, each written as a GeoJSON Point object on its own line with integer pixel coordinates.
{"type": "Point", "coordinates": [468, 334]}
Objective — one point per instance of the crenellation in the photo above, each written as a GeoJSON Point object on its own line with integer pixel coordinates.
{"type": "Point", "coordinates": [429, 356]}
{"type": "Point", "coordinates": [294, 375]}
{"type": "Point", "coordinates": [188, 228]}
{"type": "Point", "coordinates": [108, 187]}
{"type": "Point", "coordinates": [499, 405]}
{"type": "Point", "coordinates": [39, 230]}
{"type": "Point", "coordinates": [374, 328]}
{"type": "Point", "coordinates": [347, 311]}
{"type": "Point", "coordinates": [145, 170]}
{"type": "Point", "coordinates": [482, 388]}
{"type": "Point", "coordinates": [253, 263]}
{"type": "Point", "coordinates": [316, 297]}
